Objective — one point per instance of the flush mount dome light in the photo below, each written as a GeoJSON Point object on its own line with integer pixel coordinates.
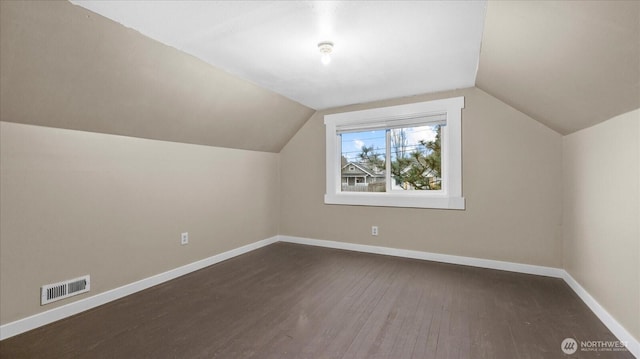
{"type": "Point", "coordinates": [325, 48]}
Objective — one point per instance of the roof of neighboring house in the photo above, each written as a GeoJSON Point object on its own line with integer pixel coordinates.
{"type": "Point", "coordinates": [360, 169]}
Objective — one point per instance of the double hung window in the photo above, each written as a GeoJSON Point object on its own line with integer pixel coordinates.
{"type": "Point", "coordinates": [399, 156]}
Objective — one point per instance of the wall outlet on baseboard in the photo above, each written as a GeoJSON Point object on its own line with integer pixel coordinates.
{"type": "Point", "coordinates": [184, 238]}
{"type": "Point", "coordinates": [374, 230]}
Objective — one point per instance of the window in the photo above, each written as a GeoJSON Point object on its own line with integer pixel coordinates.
{"type": "Point", "coordinates": [398, 156]}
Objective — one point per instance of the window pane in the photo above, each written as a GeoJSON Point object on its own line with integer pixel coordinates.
{"type": "Point", "coordinates": [363, 161]}
{"type": "Point", "coordinates": [415, 158]}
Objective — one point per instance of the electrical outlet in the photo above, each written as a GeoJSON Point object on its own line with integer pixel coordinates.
{"type": "Point", "coordinates": [184, 238]}
{"type": "Point", "coordinates": [374, 230]}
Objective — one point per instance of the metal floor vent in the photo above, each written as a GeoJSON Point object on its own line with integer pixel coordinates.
{"type": "Point", "coordinates": [56, 291]}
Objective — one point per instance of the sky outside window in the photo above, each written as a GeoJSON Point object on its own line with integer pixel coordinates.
{"type": "Point", "coordinates": [353, 142]}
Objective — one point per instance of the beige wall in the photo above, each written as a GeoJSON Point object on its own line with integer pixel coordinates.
{"type": "Point", "coordinates": [122, 202]}
{"type": "Point", "coordinates": [511, 181]}
{"type": "Point", "coordinates": [601, 215]}
{"type": "Point", "coordinates": [76, 203]}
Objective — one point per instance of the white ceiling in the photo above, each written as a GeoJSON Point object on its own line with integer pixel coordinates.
{"type": "Point", "coordinates": [411, 47]}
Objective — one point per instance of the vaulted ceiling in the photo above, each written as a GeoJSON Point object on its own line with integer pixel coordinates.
{"type": "Point", "coordinates": [568, 64]}
{"type": "Point", "coordinates": [248, 74]}
{"type": "Point", "coordinates": [64, 66]}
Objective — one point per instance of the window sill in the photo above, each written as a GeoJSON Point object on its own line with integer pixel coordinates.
{"type": "Point", "coordinates": [396, 200]}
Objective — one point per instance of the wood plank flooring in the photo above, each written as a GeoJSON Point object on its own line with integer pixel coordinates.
{"type": "Point", "coordinates": [294, 301]}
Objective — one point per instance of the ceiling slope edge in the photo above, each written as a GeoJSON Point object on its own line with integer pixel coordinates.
{"type": "Point", "coordinates": [569, 65]}
{"type": "Point", "coordinates": [64, 66]}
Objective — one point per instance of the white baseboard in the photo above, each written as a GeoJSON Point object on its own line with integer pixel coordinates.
{"type": "Point", "coordinates": [37, 320]}
{"type": "Point", "coordinates": [20, 326]}
{"type": "Point", "coordinates": [435, 257]}
{"type": "Point", "coordinates": [618, 330]}
{"type": "Point", "coordinates": [609, 321]}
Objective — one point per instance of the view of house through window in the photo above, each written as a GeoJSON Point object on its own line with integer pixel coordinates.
{"type": "Point", "coordinates": [413, 153]}
{"type": "Point", "coordinates": [363, 161]}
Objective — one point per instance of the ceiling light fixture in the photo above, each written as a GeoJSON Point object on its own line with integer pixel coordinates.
{"type": "Point", "coordinates": [325, 48]}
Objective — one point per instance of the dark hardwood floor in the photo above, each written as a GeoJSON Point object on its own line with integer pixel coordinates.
{"type": "Point", "coordinates": [294, 301]}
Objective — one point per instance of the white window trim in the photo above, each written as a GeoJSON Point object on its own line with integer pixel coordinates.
{"type": "Point", "coordinates": [450, 197]}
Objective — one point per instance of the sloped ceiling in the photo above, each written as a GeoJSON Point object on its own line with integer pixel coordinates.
{"type": "Point", "coordinates": [568, 64]}
{"type": "Point", "coordinates": [64, 66]}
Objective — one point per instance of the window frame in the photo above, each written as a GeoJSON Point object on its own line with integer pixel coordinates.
{"type": "Point", "coordinates": [449, 197]}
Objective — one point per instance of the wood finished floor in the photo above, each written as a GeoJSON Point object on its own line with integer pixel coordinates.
{"type": "Point", "coordinates": [294, 301]}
